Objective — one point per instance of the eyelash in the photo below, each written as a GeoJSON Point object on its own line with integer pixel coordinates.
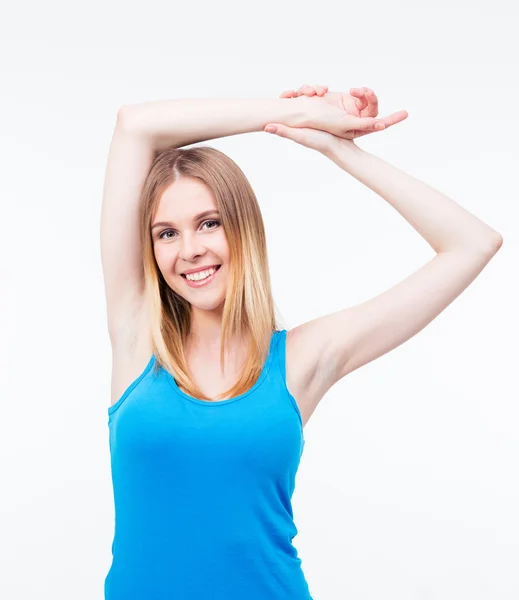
{"type": "Point", "coordinates": [168, 230]}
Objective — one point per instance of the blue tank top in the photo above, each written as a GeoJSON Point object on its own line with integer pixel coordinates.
{"type": "Point", "coordinates": [202, 490]}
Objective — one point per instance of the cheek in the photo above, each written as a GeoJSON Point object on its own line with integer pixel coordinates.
{"type": "Point", "coordinates": [165, 260]}
{"type": "Point", "coordinates": [159, 257]}
{"type": "Point", "coordinates": [222, 248]}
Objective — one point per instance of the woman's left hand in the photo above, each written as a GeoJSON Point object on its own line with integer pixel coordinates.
{"type": "Point", "coordinates": [362, 105]}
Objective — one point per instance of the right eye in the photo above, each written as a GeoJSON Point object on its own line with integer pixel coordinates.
{"type": "Point", "coordinates": [166, 231]}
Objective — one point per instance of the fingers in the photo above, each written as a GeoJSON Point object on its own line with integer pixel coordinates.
{"type": "Point", "coordinates": [361, 101]}
{"type": "Point", "coordinates": [388, 121]}
{"type": "Point", "coordinates": [306, 90]}
{"type": "Point", "coordinates": [369, 108]}
{"type": "Point", "coordinates": [367, 101]}
{"type": "Point", "coordinates": [359, 126]}
{"type": "Point", "coordinates": [320, 90]}
{"type": "Point", "coordinates": [311, 138]}
{"type": "Point", "coordinates": [392, 119]}
{"type": "Point", "coordinates": [395, 118]}
{"type": "Point", "coordinates": [365, 124]}
{"type": "Point", "coordinates": [291, 133]}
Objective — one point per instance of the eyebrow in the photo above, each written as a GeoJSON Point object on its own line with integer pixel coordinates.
{"type": "Point", "coordinates": [201, 215]}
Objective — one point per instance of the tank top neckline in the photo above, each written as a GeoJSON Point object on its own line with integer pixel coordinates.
{"type": "Point", "coordinates": [171, 380]}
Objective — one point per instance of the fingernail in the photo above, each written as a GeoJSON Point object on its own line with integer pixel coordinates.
{"type": "Point", "coordinates": [270, 129]}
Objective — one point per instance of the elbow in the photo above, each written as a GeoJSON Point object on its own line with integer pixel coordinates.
{"type": "Point", "coordinates": [486, 246]}
{"type": "Point", "coordinates": [491, 243]}
{"type": "Point", "coordinates": [496, 243]}
{"type": "Point", "coordinates": [126, 118]}
{"type": "Point", "coordinates": [122, 116]}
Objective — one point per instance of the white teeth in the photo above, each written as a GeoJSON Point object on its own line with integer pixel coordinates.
{"type": "Point", "coordinates": [200, 275]}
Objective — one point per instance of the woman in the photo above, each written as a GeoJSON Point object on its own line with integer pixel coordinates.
{"type": "Point", "coordinates": [207, 434]}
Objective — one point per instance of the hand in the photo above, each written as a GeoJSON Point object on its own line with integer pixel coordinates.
{"type": "Point", "coordinates": [361, 102]}
{"type": "Point", "coordinates": [321, 141]}
{"type": "Point", "coordinates": [345, 118]}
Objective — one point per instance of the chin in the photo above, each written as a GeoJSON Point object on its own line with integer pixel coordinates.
{"type": "Point", "coordinates": [198, 301]}
{"type": "Point", "coordinates": [208, 305]}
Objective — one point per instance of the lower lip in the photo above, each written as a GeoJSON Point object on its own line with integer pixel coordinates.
{"type": "Point", "coordinates": [204, 282]}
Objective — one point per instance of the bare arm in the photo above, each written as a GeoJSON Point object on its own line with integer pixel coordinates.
{"type": "Point", "coordinates": [180, 122]}
{"type": "Point", "coordinates": [141, 131]}
{"type": "Point", "coordinates": [129, 160]}
{"type": "Point", "coordinates": [444, 224]}
{"type": "Point", "coordinates": [322, 351]}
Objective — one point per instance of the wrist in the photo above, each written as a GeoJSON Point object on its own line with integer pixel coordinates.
{"type": "Point", "coordinates": [341, 149]}
{"type": "Point", "coordinates": [298, 112]}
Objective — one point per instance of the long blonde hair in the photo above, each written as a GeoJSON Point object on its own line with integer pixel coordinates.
{"type": "Point", "coordinates": [249, 309]}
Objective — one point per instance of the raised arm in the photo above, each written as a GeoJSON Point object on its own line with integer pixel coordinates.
{"type": "Point", "coordinates": [141, 131]}
{"type": "Point", "coordinates": [322, 351]}
{"type": "Point", "coordinates": [180, 122]}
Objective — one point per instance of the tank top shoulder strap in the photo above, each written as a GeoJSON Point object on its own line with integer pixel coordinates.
{"type": "Point", "coordinates": [279, 352]}
{"type": "Point", "coordinates": [279, 364]}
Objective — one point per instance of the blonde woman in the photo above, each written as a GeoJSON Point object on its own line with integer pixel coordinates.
{"type": "Point", "coordinates": [209, 393]}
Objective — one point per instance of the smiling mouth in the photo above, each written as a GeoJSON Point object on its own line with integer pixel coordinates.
{"type": "Point", "coordinates": [217, 267]}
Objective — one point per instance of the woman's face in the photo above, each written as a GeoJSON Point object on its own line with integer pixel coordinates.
{"type": "Point", "coordinates": [184, 240]}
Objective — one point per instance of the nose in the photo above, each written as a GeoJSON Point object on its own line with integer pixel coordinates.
{"type": "Point", "coordinates": [190, 247]}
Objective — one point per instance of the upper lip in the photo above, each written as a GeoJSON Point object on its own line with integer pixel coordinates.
{"type": "Point", "coordinates": [199, 269]}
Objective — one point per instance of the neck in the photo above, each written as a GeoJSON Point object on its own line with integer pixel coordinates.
{"type": "Point", "coordinates": [206, 332]}
{"type": "Point", "coordinates": [206, 326]}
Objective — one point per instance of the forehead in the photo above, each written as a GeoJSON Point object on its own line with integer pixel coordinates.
{"type": "Point", "coordinates": [184, 199]}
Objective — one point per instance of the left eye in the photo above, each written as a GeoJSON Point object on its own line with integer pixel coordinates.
{"type": "Point", "coordinates": [213, 221]}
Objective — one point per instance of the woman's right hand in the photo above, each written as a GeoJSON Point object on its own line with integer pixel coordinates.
{"type": "Point", "coordinates": [341, 114]}
{"type": "Point", "coordinates": [361, 102]}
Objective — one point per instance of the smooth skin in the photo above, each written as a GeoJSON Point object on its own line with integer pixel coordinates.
{"type": "Point", "coordinates": [360, 102]}
{"type": "Point", "coordinates": [323, 350]}
{"type": "Point", "coordinates": [326, 349]}
{"type": "Point", "coordinates": [359, 109]}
